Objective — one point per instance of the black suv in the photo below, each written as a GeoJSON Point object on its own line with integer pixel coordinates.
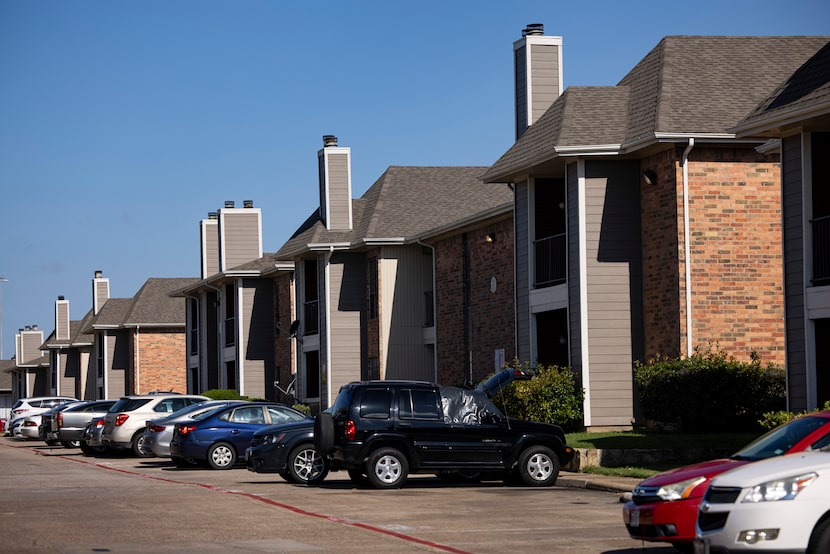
{"type": "Point", "coordinates": [383, 430]}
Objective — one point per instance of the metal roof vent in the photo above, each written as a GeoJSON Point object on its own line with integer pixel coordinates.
{"type": "Point", "coordinates": [229, 203]}
{"type": "Point", "coordinates": [329, 140]}
{"type": "Point", "coordinates": [213, 215]}
{"type": "Point", "coordinates": [534, 29]}
{"type": "Point", "coordinates": [248, 203]}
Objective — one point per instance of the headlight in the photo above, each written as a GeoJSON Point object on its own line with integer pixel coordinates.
{"type": "Point", "coordinates": [681, 490]}
{"type": "Point", "coordinates": [275, 438]}
{"type": "Point", "coordinates": [781, 489]}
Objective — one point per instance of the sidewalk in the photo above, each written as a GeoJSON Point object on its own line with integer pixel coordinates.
{"type": "Point", "coordinates": [623, 485]}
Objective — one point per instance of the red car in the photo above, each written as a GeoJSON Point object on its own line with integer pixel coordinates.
{"type": "Point", "coordinates": [664, 507]}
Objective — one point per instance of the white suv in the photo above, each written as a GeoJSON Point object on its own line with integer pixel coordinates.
{"type": "Point", "coordinates": [125, 421]}
{"type": "Point", "coordinates": [33, 406]}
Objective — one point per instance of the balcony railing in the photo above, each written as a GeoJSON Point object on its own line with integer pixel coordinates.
{"type": "Point", "coordinates": [821, 250]}
{"type": "Point", "coordinates": [550, 261]}
{"type": "Point", "coordinates": [311, 323]}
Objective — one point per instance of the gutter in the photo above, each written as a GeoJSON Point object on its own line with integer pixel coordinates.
{"type": "Point", "coordinates": [327, 277]}
{"type": "Point", "coordinates": [687, 246]}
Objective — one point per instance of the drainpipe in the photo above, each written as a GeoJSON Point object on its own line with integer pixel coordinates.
{"type": "Point", "coordinates": [688, 246]}
{"type": "Point", "coordinates": [137, 359]}
{"type": "Point", "coordinates": [434, 312]}
{"type": "Point", "coordinates": [327, 275]}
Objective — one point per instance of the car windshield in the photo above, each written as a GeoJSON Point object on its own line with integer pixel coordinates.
{"type": "Point", "coordinates": [781, 439]}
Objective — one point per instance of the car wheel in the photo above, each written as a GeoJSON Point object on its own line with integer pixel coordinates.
{"type": "Point", "coordinates": [221, 456]}
{"type": "Point", "coordinates": [71, 444]}
{"type": "Point", "coordinates": [306, 466]}
{"type": "Point", "coordinates": [820, 539]}
{"type": "Point", "coordinates": [538, 466]}
{"type": "Point", "coordinates": [286, 476]}
{"type": "Point", "coordinates": [137, 446]}
{"type": "Point", "coordinates": [184, 462]}
{"type": "Point", "coordinates": [324, 433]}
{"type": "Point", "coordinates": [387, 468]}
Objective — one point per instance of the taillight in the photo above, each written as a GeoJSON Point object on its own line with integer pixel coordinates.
{"type": "Point", "coordinates": [120, 419]}
{"type": "Point", "coordinates": [157, 428]}
{"type": "Point", "coordinates": [29, 424]}
{"type": "Point", "coordinates": [60, 419]}
{"type": "Point", "coordinates": [100, 422]}
{"type": "Point", "coordinates": [349, 430]}
{"type": "Point", "coordinates": [185, 429]}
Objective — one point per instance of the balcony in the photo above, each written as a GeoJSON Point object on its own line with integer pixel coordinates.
{"type": "Point", "coordinates": [821, 251]}
{"type": "Point", "coordinates": [550, 261]}
{"type": "Point", "coordinates": [311, 318]}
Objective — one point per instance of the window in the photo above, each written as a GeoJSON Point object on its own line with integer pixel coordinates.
{"type": "Point", "coordinates": [248, 414]}
{"type": "Point", "coordinates": [283, 416]}
{"type": "Point", "coordinates": [418, 404]}
{"type": "Point", "coordinates": [374, 404]}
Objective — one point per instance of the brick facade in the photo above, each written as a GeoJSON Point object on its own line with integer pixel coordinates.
{"type": "Point", "coordinates": [159, 360]}
{"type": "Point", "coordinates": [736, 254]}
{"type": "Point", "coordinates": [492, 315]}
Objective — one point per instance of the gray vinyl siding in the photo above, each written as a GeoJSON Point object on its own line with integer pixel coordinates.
{"type": "Point", "coordinates": [613, 287]}
{"type": "Point", "coordinates": [520, 75]}
{"type": "Point", "coordinates": [339, 201]}
{"type": "Point", "coordinates": [116, 360]}
{"type": "Point", "coordinates": [240, 237]}
{"type": "Point", "coordinates": [574, 309]}
{"type": "Point", "coordinates": [545, 76]}
{"type": "Point", "coordinates": [348, 297]}
{"type": "Point", "coordinates": [256, 347]}
{"type": "Point", "coordinates": [794, 278]}
{"type": "Point", "coordinates": [69, 372]}
{"type": "Point", "coordinates": [62, 320]}
{"type": "Point", "coordinates": [405, 273]}
{"type": "Point", "coordinates": [100, 293]}
{"type": "Point", "coordinates": [522, 252]}
{"type": "Point", "coordinates": [210, 247]}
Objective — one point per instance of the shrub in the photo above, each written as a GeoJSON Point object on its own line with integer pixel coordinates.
{"type": "Point", "coordinates": [709, 390]}
{"type": "Point", "coordinates": [550, 396]}
{"type": "Point", "coordinates": [771, 420]}
{"type": "Point", "coordinates": [223, 394]}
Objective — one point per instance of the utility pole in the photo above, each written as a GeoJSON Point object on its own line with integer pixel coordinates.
{"type": "Point", "coordinates": [2, 280]}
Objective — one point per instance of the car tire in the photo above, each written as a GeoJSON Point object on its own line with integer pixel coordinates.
{"type": "Point", "coordinates": [137, 446]}
{"type": "Point", "coordinates": [92, 450]}
{"type": "Point", "coordinates": [387, 468]}
{"type": "Point", "coordinates": [820, 539]}
{"type": "Point", "coordinates": [71, 444]}
{"type": "Point", "coordinates": [538, 466]}
{"type": "Point", "coordinates": [324, 433]}
{"type": "Point", "coordinates": [306, 466]}
{"type": "Point", "coordinates": [221, 456]}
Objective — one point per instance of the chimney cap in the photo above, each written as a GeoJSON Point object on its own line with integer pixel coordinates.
{"type": "Point", "coordinates": [213, 215]}
{"type": "Point", "coordinates": [534, 29]}
{"type": "Point", "coordinates": [248, 203]}
{"type": "Point", "coordinates": [61, 297]}
{"type": "Point", "coordinates": [329, 140]}
{"type": "Point", "coordinates": [98, 273]}
{"type": "Point", "coordinates": [229, 203]}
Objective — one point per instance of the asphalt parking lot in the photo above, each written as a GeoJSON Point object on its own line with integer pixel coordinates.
{"type": "Point", "coordinates": [57, 500]}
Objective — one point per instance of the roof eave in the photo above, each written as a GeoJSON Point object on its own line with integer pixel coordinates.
{"type": "Point", "coordinates": [328, 246]}
{"type": "Point", "coordinates": [769, 125]}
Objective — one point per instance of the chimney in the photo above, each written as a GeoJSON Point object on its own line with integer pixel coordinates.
{"type": "Point", "coordinates": [239, 234]}
{"type": "Point", "coordinates": [209, 244]}
{"type": "Point", "coordinates": [100, 291]}
{"type": "Point", "coordinates": [335, 170]}
{"type": "Point", "coordinates": [538, 75]}
{"type": "Point", "coordinates": [27, 346]}
{"type": "Point", "coordinates": [62, 319]}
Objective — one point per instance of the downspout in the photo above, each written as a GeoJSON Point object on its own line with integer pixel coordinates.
{"type": "Point", "coordinates": [327, 278]}
{"type": "Point", "coordinates": [137, 360]}
{"type": "Point", "coordinates": [687, 246]}
{"type": "Point", "coordinates": [434, 311]}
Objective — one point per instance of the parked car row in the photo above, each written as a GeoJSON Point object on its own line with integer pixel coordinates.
{"type": "Point", "coordinates": [711, 506]}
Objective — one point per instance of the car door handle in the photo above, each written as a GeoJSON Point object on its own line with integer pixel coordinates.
{"type": "Point", "coordinates": [235, 432]}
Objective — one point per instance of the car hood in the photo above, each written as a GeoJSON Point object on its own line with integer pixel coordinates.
{"type": "Point", "coordinates": [704, 469]}
{"type": "Point", "coordinates": [534, 427]}
{"type": "Point", "coordinates": [771, 469]}
{"type": "Point", "coordinates": [291, 426]}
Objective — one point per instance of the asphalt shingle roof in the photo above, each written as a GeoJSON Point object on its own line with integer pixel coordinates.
{"type": "Point", "coordinates": [404, 203]}
{"type": "Point", "coordinates": [152, 305]}
{"type": "Point", "coordinates": [687, 85]}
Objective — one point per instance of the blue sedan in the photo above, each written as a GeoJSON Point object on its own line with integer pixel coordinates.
{"type": "Point", "coordinates": [221, 437]}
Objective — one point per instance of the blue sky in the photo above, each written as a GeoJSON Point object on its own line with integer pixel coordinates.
{"type": "Point", "coordinates": [122, 124]}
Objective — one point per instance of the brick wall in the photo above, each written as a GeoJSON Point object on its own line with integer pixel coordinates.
{"type": "Point", "coordinates": [492, 316]}
{"type": "Point", "coordinates": [160, 360]}
{"type": "Point", "coordinates": [736, 254]}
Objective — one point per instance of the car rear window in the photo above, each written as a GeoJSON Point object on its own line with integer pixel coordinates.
{"type": "Point", "coordinates": [128, 404]}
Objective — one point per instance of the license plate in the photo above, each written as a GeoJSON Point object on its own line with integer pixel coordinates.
{"type": "Point", "coordinates": [700, 546]}
{"type": "Point", "coordinates": [635, 518]}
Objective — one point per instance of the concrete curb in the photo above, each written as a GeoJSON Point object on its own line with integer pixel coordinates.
{"type": "Point", "coordinates": [622, 485]}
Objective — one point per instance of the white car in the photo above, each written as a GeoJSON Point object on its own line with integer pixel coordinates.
{"type": "Point", "coordinates": [126, 420]}
{"type": "Point", "coordinates": [780, 504]}
{"type": "Point", "coordinates": [30, 407]}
